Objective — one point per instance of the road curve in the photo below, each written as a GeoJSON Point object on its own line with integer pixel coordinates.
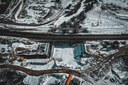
{"type": "Point", "coordinates": [47, 37]}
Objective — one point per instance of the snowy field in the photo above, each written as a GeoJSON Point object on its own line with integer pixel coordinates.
{"type": "Point", "coordinates": [64, 56]}
{"type": "Point", "coordinates": [43, 15]}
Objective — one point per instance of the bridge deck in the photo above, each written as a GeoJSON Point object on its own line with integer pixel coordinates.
{"type": "Point", "coordinates": [63, 38]}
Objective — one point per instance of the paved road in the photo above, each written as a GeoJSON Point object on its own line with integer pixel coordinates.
{"type": "Point", "coordinates": [40, 72]}
{"type": "Point", "coordinates": [62, 38]}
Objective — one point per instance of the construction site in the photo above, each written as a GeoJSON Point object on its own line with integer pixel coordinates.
{"type": "Point", "coordinates": [63, 42]}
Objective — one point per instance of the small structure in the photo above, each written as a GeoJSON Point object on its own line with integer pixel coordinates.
{"type": "Point", "coordinates": [79, 51]}
{"type": "Point", "coordinates": [21, 58]}
{"type": "Point", "coordinates": [36, 50]}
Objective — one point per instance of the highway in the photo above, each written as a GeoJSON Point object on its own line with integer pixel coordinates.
{"type": "Point", "coordinates": [47, 37]}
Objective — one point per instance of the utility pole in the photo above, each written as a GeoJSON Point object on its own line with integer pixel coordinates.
{"type": "Point", "coordinates": [98, 21]}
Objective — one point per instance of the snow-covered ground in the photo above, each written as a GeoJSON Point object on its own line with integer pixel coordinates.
{"type": "Point", "coordinates": [63, 18]}
{"type": "Point", "coordinates": [4, 48]}
{"type": "Point", "coordinates": [64, 56]}
{"type": "Point", "coordinates": [104, 17]}
{"type": "Point", "coordinates": [101, 21]}
{"type": "Point", "coordinates": [47, 14]}
{"type": "Point", "coordinates": [122, 3]}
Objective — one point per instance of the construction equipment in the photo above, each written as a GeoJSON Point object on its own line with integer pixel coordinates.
{"type": "Point", "coordinates": [69, 79]}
